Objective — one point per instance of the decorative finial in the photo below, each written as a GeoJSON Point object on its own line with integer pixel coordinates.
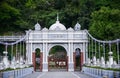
{"type": "Point", "coordinates": [37, 21]}
{"type": "Point", "coordinates": [57, 17]}
{"type": "Point", "coordinates": [77, 22]}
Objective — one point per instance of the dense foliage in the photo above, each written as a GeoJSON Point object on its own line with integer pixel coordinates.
{"type": "Point", "coordinates": [100, 17]}
{"type": "Point", "coordinates": [21, 15]}
{"type": "Point", "coordinates": [105, 23]}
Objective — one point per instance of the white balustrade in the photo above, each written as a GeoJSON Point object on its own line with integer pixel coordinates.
{"type": "Point", "coordinates": [100, 73]}
{"type": "Point", "coordinates": [19, 73]}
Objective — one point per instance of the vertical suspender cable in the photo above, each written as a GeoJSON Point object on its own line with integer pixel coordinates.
{"type": "Point", "coordinates": [27, 47]}
{"type": "Point", "coordinates": [104, 49]}
{"type": "Point", "coordinates": [95, 49]}
{"type": "Point", "coordinates": [92, 48]}
{"type": "Point", "coordinates": [11, 51]}
{"type": "Point", "coordinates": [99, 49]}
{"type": "Point", "coordinates": [16, 50]}
{"type": "Point", "coordinates": [6, 46]}
{"type": "Point", "coordinates": [20, 49]}
{"type": "Point", "coordinates": [118, 51]}
{"type": "Point", "coordinates": [86, 51]}
{"type": "Point", "coordinates": [89, 47]}
{"type": "Point", "coordinates": [23, 50]}
{"type": "Point", "coordinates": [110, 46]}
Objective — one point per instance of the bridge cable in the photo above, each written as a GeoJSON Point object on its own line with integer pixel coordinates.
{"type": "Point", "coordinates": [101, 41]}
{"type": "Point", "coordinates": [110, 47]}
{"type": "Point", "coordinates": [118, 52]}
{"type": "Point", "coordinates": [89, 47]}
{"type": "Point", "coordinates": [92, 47]}
{"type": "Point", "coordinates": [95, 49]}
{"type": "Point", "coordinates": [20, 50]}
{"type": "Point", "coordinates": [99, 49]}
{"type": "Point", "coordinates": [16, 51]}
{"type": "Point", "coordinates": [11, 51]}
{"type": "Point", "coordinates": [104, 50]}
{"type": "Point", "coordinates": [23, 50]}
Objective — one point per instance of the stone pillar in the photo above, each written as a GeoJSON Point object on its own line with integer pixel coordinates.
{"type": "Point", "coordinates": [67, 62]}
{"type": "Point", "coordinates": [110, 58]}
{"type": "Point", "coordinates": [86, 52]}
{"type": "Point", "coordinates": [81, 60]}
{"type": "Point", "coordinates": [70, 56]}
{"type": "Point", "coordinates": [33, 60]}
{"type": "Point", "coordinates": [41, 61]}
{"type": "Point", "coordinates": [45, 67]}
{"type": "Point", "coordinates": [30, 52]}
{"type": "Point", "coordinates": [74, 60]}
{"type": "Point", "coordinates": [45, 57]}
{"type": "Point", "coordinates": [48, 63]}
{"type": "Point", "coordinates": [45, 62]}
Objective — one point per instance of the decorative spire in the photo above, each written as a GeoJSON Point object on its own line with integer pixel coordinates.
{"type": "Point", "coordinates": [57, 17]}
{"type": "Point", "coordinates": [37, 21]}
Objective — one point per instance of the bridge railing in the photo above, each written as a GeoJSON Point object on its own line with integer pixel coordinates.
{"type": "Point", "coordinates": [18, 73]}
{"type": "Point", "coordinates": [10, 38]}
{"type": "Point", "coordinates": [101, 73]}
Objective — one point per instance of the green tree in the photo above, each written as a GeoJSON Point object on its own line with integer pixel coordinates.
{"type": "Point", "coordinates": [21, 15]}
{"type": "Point", "coordinates": [105, 23]}
{"type": "Point", "coordinates": [8, 16]}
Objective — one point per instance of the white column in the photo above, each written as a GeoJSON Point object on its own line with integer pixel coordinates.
{"type": "Point", "coordinates": [27, 50]}
{"type": "Point", "coordinates": [86, 51]}
{"type": "Point", "coordinates": [28, 53]}
{"type": "Point", "coordinates": [46, 60]}
{"type": "Point", "coordinates": [83, 52]}
{"type": "Point", "coordinates": [31, 53]}
{"type": "Point", "coordinates": [70, 64]}
{"type": "Point", "coordinates": [43, 52]}
{"type": "Point", "coordinates": [82, 47]}
{"type": "Point", "coordinates": [45, 63]}
{"type": "Point", "coordinates": [72, 51]}
{"type": "Point", "coordinates": [69, 51]}
{"type": "Point", "coordinates": [110, 60]}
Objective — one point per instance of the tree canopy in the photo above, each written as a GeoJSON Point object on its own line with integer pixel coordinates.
{"type": "Point", "coordinates": [21, 15]}
{"type": "Point", "coordinates": [105, 23]}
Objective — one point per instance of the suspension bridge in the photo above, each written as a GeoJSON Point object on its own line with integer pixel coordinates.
{"type": "Point", "coordinates": [19, 52]}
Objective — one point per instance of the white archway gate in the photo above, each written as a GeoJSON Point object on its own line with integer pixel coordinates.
{"type": "Point", "coordinates": [46, 39]}
{"type": "Point", "coordinates": [57, 34]}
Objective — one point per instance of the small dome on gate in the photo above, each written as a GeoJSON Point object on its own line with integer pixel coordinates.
{"type": "Point", "coordinates": [77, 27]}
{"type": "Point", "coordinates": [37, 27]}
{"type": "Point", "coordinates": [44, 29]}
{"type": "Point", "coordinates": [57, 25]}
{"type": "Point", "coordinates": [70, 29]}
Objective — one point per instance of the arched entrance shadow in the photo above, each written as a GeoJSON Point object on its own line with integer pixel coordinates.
{"type": "Point", "coordinates": [77, 59]}
{"type": "Point", "coordinates": [57, 59]}
{"type": "Point", "coordinates": [37, 59]}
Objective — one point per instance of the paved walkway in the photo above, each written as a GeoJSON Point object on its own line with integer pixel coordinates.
{"type": "Point", "coordinates": [57, 75]}
{"type": "Point", "coordinates": [33, 75]}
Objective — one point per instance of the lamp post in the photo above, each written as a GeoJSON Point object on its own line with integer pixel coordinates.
{"type": "Point", "coordinates": [110, 58]}
{"type": "Point", "coordinates": [5, 60]}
